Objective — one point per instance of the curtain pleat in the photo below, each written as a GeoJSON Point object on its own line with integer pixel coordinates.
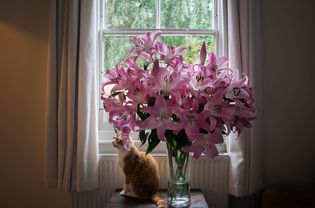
{"type": "Point", "coordinates": [71, 99]}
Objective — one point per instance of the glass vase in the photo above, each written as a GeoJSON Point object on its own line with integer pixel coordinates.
{"type": "Point", "coordinates": [178, 193]}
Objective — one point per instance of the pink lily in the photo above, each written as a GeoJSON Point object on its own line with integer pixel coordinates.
{"type": "Point", "coordinates": [122, 118]}
{"type": "Point", "coordinates": [167, 81]}
{"type": "Point", "coordinates": [137, 92]}
{"type": "Point", "coordinates": [132, 68]}
{"type": "Point", "coordinates": [199, 82]}
{"type": "Point", "coordinates": [240, 123]}
{"type": "Point", "coordinates": [236, 90]}
{"type": "Point", "coordinates": [219, 109]}
{"type": "Point", "coordinates": [182, 98]}
{"type": "Point", "coordinates": [193, 121]}
{"type": "Point", "coordinates": [111, 104]}
{"type": "Point", "coordinates": [145, 45]}
{"type": "Point", "coordinates": [214, 64]}
{"type": "Point", "coordinates": [160, 117]}
{"type": "Point", "coordinates": [205, 144]}
{"type": "Point", "coordinates": [243, 114]}
{"type": "Point", "coordinates": [168, 53]}
{"type": "Point", "coordinates": [217, 62]}
{"type": "Point", "coordinates": [124, 80]}
{"type": "Point", "coordinates": [119, 77]}
{"type": "Point", "coordinates": [125, 133]}
{"type": "Point", "coordinates": [112, 77]}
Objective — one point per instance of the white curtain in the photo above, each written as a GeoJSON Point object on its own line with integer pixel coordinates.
{"type": "Point", "coordinates": [71, 97]}
{"type": "Point", "coordinates": [239, 32]}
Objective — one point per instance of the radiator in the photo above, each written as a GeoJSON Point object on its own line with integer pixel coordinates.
{"type": "Point", "coordinates": [210, 175]}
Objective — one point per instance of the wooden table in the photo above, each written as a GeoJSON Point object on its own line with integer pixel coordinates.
{"type": "Point", "coordinates": [117, 201]}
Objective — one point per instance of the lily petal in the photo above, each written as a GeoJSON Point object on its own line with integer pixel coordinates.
{"type": "Point", "coordinates": [161, 131]}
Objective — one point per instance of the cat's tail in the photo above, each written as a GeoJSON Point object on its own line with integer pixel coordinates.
{"type": "Point", "coordinates": [158, 201]}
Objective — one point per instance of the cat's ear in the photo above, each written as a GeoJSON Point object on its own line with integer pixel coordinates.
{"type": "Point", "coordinates": [119, 141]}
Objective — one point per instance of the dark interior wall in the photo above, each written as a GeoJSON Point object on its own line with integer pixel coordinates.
{"type": "Point", "coordinates": [287, 56]}
{"type": "Point", "coordinates": [288, 43]}
{"type": "Point", "coordinates": [23, 59]}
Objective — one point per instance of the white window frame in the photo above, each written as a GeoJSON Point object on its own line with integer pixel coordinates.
{"type": "Point", "coordinates": [106, 132]}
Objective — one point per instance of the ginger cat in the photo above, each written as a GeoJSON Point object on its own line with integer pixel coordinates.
{"type": "Point", "coordinates": [141, 173]}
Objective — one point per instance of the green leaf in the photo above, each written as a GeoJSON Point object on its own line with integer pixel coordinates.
{"type": "Point", "coordinates": [170, 138]}
{"type": "Point", "coordinates": [171, 141]}
{"type": "Point", "coordinates": [175, 118]}
{"type": "Point", "coordinates": [224, 130]}
{"type": "Point", "coordinates": [146, 65]}
{"type": "Point", "coordinates": [142, 115]}
{"type": "Point", "coordinates": [116, 93]}
{"type": "Point", "coordinates": [176, 141]}
{"type": "Point", "coordinates": [143, 136]}
{"type": "Point", "coordinates": [200, 109]}
{"type": "Point", "coordinates": [181, 139]}
{"type": "Point", "coordinates": [153, 141]}
{"type": "Point", "coordinates": [203, 131]}
{"type": "Point", "coordinates": [151, 101]}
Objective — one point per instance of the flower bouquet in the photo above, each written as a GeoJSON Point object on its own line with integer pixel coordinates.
{"type": "Point", "coordinates": [190, 106]}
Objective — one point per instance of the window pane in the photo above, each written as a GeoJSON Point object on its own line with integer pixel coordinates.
{"type": "Point", "coordinates": [187, 14]}
{"type": "Point", "coordinates": [116, 49]}
{"type": "Point", "coordinates": [130, 14]}
{"type": "Point", "coordinates": [192, 43]}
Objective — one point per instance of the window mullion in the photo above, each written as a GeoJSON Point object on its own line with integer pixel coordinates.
{"type": "Point", "coordinates": [100, 60]}
{"type": "Point", "coordinates": [158, 14]}
{"type": "Point", "coordinates": [103, 5]}
{"type": "Point", "coordinates": [177, 32]}
{"type": "Point", "coordinates": [214, 15]}
{"type": "Point", "coordinates": [215, 24]}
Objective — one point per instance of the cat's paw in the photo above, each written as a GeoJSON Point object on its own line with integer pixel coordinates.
{"type": "Point", "coordinates": [122, 193]}
{"type": "Point", "coordinates": [131, 194]}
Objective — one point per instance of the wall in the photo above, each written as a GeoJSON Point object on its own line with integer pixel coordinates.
{"type": "Point", "coordinates": [23, 54]}
{"type": "Point", "coordinates": [288, 43]}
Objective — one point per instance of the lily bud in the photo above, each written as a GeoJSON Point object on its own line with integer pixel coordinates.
{"type": "Point", "coordinates": [203, 53]}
